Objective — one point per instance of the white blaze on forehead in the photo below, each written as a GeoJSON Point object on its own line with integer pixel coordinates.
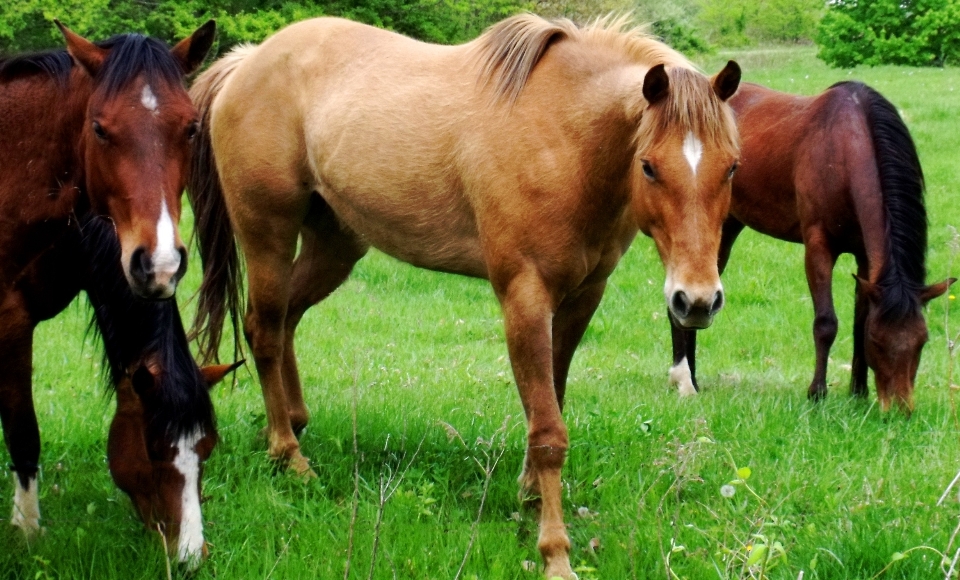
{"type": "Point", "coordinates": [692, 150]}
{"type": "Point", "coordinates": [681, 376]}
{"type": "Point", "coordinates": [26, 506]}
{"type": "Point", "coordinates": [148, 99]}
{"type": "Point", "coordinates": [166, 258]}
{"type": "Point", "coordinates": [187, 462]}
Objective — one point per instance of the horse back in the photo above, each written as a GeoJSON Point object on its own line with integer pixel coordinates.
{"type": "Point", "coordinates": [802, 159]}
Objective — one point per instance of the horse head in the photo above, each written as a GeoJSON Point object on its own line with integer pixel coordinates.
{"type": "Point", "coordinates": [893, 342]}
{"type": "Point", "coordinates": [686, 156]}
{"type": "Point", "coordinates": [159, 466]}
{"type": "Point", "coordinates": [136, 144]}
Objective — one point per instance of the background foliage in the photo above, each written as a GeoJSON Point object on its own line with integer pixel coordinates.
{"type": "Point", "coordinates": [872, 32]}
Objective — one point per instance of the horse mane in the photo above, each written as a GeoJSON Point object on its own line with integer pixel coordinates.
{"type": "Point", "coordinates": [904, 273]}
{"type": "Point", "coordinates": [130, 56]}
{"type": "Point", "coordinates": [135, 331]}
{"type": "Point", "coordinates": [508, 52]}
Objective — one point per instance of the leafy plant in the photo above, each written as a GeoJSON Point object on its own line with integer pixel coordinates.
{"type": "Point", "coordinates": [874, 32]}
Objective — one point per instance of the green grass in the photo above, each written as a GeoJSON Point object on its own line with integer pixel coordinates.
{"type": "Point", "coordinates": [839, 486]}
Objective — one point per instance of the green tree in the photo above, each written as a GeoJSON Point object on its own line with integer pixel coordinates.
{"type": "Point", "coordinates": [873, 32]}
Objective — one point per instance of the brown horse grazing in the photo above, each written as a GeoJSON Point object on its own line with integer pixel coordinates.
{"type": "Point", "coordinates": [110, 135]}
{"type": "Point", "coordinates": [838, 172]}
{"type": "Point", "coordinates": [530, 157]}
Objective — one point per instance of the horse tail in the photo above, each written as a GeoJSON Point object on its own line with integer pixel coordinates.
{"type": "Point", "coordinates": [220, 292]}
{"type": "Point", "coordinates": [902, 189]}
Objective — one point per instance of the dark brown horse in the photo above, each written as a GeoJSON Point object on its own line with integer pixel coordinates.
{"type": "Point", "coordinates": [531, 157]}
{"type": "Point", "coordinates": [97, 130]}
{"type": "Point", "coordinates": [839, 173]}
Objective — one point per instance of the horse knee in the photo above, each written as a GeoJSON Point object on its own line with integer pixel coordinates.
{"type": "Point", "coordinates": [825, 328]}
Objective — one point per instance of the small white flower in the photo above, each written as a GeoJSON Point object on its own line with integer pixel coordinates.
{"type": "Point", "coordinates": [727, 490]}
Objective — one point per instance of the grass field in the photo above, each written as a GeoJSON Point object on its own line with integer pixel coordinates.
{"type": "Point", "coordinates": [834, 490]}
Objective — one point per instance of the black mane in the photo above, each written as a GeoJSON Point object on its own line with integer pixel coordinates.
{"type": "Point", "coordinates": [904, 272]}
{"type": "Point", "coordinates": [132, 329]}
{"type": "Point", "coordinates": [130, 56]}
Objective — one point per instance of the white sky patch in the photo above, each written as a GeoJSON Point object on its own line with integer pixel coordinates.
{"type": "Point", "coordinates": [692, 150]}
{"type": "Point", "coordinates": [26, 506]}
{"type": "Point", "coordinates": [680, 375]}
{"type": "Point", "coordinates": [166, 258]}
{"type": "Point", "coordinates": [148, 99]}
{"type": "Point", "coordinates": [187, 462]}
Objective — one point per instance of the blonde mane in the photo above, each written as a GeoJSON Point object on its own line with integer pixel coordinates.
{"type": "Point", "coordinates": [508, 52]}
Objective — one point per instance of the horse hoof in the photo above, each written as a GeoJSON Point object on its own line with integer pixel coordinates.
{"type": "Point", "coordinates": [300, 466]}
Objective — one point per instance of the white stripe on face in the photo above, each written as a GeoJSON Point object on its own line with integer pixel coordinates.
{"type": "Point", "coordinates": [26, 506]}
{"type": "Point", "coordinates": [187, 462]}
{"type": "Point", "coordinates": [693, 151]}
{"type": "Point", "coordinates": [166, 258]}
{"type": "Point", "coordinates": [148, 99]}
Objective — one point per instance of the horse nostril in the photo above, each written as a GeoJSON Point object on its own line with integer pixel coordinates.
{"type": "Point", "coordinates": [183, 264]}
{"type": "Point", "coordinates": [680, 304]}
{"type": "Point", "coordinates": [141, 266]}
{"type": "Point", "coordinates": [717, 302]}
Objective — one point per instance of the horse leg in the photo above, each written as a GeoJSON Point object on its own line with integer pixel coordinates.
{"type": "Point", "coordinates": [267, 223]}
{"type": "Point", "coordinates": [819, 261]}
{"type": "Point", "coordinates": [683, 373]}
{"type": "Point", "coordinates": [17, 414]}
{"type": "Point", "coordinates": [327, 256]}
{"type": "Point", "coordinates": [528, 309]}
{"type": "Point", "coordinates": [569, 323]}
{"type": "Point", "coordinates": [858, 370]}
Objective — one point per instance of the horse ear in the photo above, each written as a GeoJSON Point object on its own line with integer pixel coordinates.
{"type": "Point", "coordinates": [87, 54]}
{"type": "Point", "coordinates": [868, 288]}
{"type": "Point", "coordinates": [191, 51]}
{"type": "Point", "coordinates": [726, 82]}
{"type": "Point", "coordinates": [656, 84]}
{"type": "Point", "coordinates": [936, 290]}
{"type": "Point", "coordinates": [213, 374]}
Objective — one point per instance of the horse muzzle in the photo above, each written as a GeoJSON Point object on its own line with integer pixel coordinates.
{"type": "Point", "coordinates": [155, 277]}
{"type": "Point", "coordinates": [695, 311]}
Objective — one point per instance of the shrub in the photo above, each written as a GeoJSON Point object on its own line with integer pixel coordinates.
{"type": "Point", "coordinates": [873, 32]}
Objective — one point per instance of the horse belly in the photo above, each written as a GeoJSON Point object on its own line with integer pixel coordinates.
{"type": "Point", "coordinates": [429, 229]}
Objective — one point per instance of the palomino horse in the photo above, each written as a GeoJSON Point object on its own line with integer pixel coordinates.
{"type": "Point", "coordinates": [109, 136]}
{"type": "Point", "coordinates": [839, 173]}
{"type": "Point", "coordinates": [530, 157]}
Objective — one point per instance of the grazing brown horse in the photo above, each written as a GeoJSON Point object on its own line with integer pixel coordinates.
{"type": "Point", "coordinates": [839, 173]}
{"type": "Point", "coordinates": [97, 130]}
{"type": "Point", "coordinates": [530, 157]}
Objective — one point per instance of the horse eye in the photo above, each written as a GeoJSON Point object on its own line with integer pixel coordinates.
{"type": "Point", "coordinates": [648, 170]}
{"type": "Point", "coordinates": [99, 131]}
{"type": "Point", "coordinates": [733, 169]}
{"type": "Point", "coordinates": [192, 130]}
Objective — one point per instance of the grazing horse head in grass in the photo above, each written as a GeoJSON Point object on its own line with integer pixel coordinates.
{"type": "Point", "coordinates": [531, 157]}
{"type": "Point", "coordinates": [164, 427]}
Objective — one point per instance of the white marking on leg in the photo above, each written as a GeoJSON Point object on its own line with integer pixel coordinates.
{"type": "Point", "coordinates": [187, 462]}
{"type": "Point", "coordinates": [680, 375]}
{"type": "Point", "coordinates": [693, 151]}
{"type": "Point", "coordinates": [166, 258]}
{"type": "Point", "coordinates": [26, 506]}
{"type": "Point", "coordinates": [148, 99]}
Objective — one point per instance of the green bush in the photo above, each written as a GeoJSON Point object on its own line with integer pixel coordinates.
{"type": "Point", "coordinates": [746, 22]}
{"type": "Point", "coordinates": [27, 24]}
{"type": "Point", "coordinates": [873, 32]}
